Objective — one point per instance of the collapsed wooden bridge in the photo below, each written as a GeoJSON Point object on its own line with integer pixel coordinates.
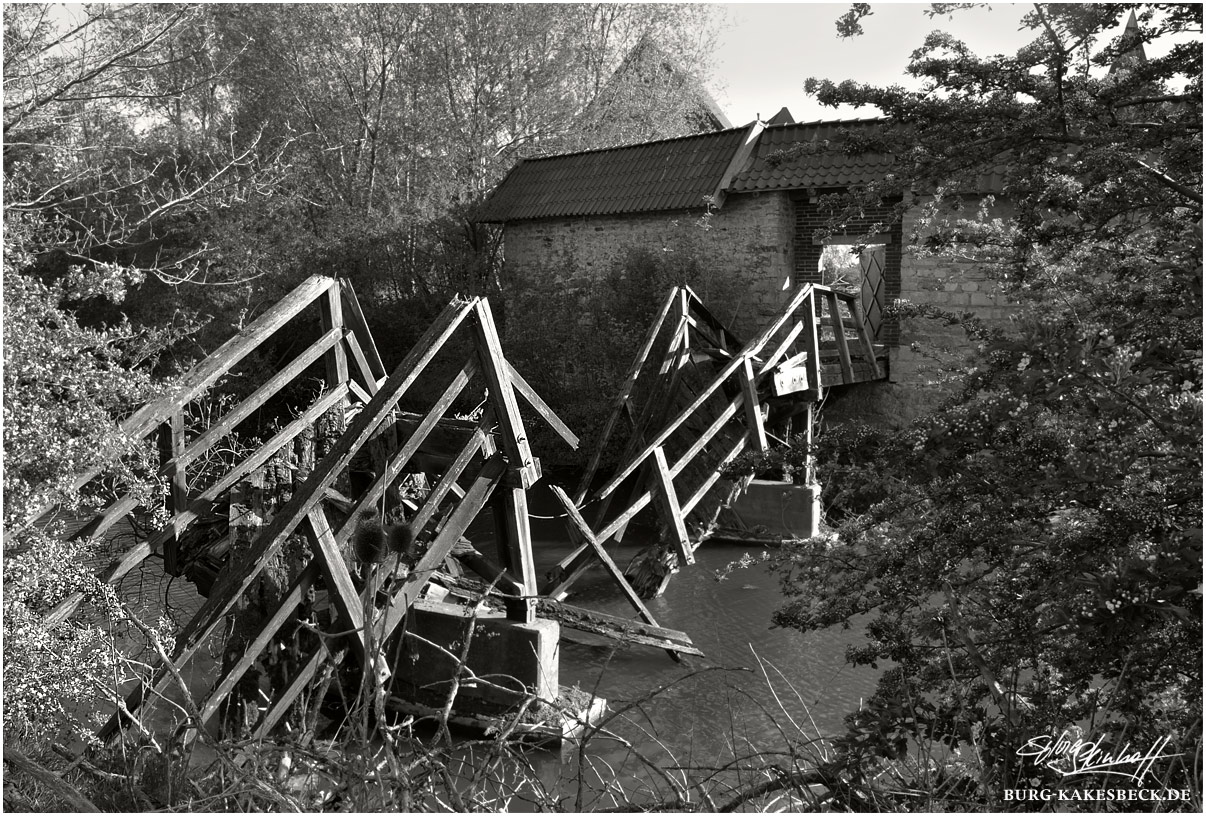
{"type": "Point", "coordinates": [275, 540]}
{"type": "Point", "coordinates": [694, 399]}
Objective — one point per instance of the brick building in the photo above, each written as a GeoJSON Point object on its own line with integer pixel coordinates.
{"type": "Point", "coordinates": [763, 185]}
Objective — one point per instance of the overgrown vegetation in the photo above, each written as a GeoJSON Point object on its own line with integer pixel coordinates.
{"type": "Point", "coordinates": [1031, 554]}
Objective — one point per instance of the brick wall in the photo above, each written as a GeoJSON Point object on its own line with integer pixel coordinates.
{"type": "Point", "coordinates": [768, 239]}
{"type": "Point", "coordinates": [920, 362]}
{"type": "Point", "coordinates": [749, 238]}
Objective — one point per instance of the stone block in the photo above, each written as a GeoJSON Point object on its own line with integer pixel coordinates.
{"type": "Point", "coordinates": [510, 659]}
{"type": "Point", "coordinates": [776, 509]}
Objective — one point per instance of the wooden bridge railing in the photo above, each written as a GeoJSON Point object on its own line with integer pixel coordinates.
{"type": "Point", "coordinates": [344, 333]}
{"type": "Point", "coordinates": [720, 420]}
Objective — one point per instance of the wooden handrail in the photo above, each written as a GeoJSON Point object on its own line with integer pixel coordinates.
{"type": "Point", "coordinates": [206, 373]}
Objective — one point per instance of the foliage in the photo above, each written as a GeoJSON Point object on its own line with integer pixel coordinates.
{"type": "Point", "coordinates": [65, 386]}
{"type": "Point", "coordinates": [573, 336]}
{"type": "Point", "coordinates": [1030, 554]}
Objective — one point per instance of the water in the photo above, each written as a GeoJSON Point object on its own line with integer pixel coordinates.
{"type": "Point", "coordinates": [759, 689]}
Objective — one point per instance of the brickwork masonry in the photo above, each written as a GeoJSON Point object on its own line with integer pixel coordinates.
{"type": "Point", "coordinates": [749, 239]}
{"type": "Point", "coordinates": [769, 239]}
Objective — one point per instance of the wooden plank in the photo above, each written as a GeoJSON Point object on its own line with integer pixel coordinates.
{"type": "Point", "coordinates": [359, 393]}
{"type": "Point", "coordinates": [625, 630]}
{"type": "Point", "coordinates": [206, 373]}
{"type": "Point", "coordinates": [574, 565]}
{"type": "Point", "coordinates": [355, 319]}
{"type": "Point", "coordinates": [839, 335]}
{"type": "Point", "coordinates": [864, 335]}
{"type": "Point", "coordinates": [668, 503]}
{"type": "Point", "coordinates": [431, 504]}
{"type": "Point", "coordinates": [464, 514]}
{"type": "Point", "coordinates": [491, 572]}
{"type": "Point", "coordinates": [617, 628]}
{"type": "Point", "coordinates": [361, 428]}
{"type": "Point", "coordinates": [393, 467]}
{"type": "Point", "coordinates": [338, 580]}
{"type": "Point", "coordinates": [541, 407]}
{"type": "Point", "coordinates": [621, 401]}
{"type": "Point", "coordinates": [497, 372]}
{"type": "Point", "coordinates": [260, 641]}
{"type": "Point", "coordinates": [363, 369]}
{"type": "Point", "coordinates": [750, 350]}
{"type": "Point", "coordinates": [574, 518]}
{"type": "Point", "coordinates": [174, 468]}
{"type": "Point", "coordinates": [231, 419]}
{"type": "Point", "coordinates": [517, 531]}
{"type": "Point", "coordinates": [753, 407]}
{"type": "Point", "coordinates": [811, 342]}
{"type": "Point", "coordinates": [331, 305]}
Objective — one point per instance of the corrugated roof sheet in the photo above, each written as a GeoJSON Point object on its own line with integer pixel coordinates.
{"type": "Point", "coordinates": [671, 174]}
{"type": "Point", "coordinates": [821, 160]}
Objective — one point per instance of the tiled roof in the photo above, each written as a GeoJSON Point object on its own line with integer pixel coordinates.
{"type": "Point", "coordinates": [676, 174]}
{"type": "Point", "coordinates": [820, 163]}
{"type": "Point", "coordinates": [671, 174]}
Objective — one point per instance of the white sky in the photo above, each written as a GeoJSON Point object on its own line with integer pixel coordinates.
{"type": "Point", "coordinates": [771, 48]}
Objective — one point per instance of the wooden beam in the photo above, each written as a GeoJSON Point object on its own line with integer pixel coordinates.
{"type": "Point", "coordinates": [621, 400]}
{"type": "Point", "coordinates": [260, 641]}
{"type": "Point", "coordinates": [464, 514]}
{"type": "Point", "coordinates": [541, 407]}
{"type": "Point", "coordinates": [750, 350]}
{"type": "Point", "coordinates": [338, 580]}
{"type": "Point", "coordinates": [625, 630]}
{"type": "Point", "coordinates": [497, 372]}
{"type": "Point", "coordinates": [753, 407]}
{"type": "Point", "coordinates": [575, 520]}
{"type": "Point", "coordinates": [812, 344]}
{"type": "Point", "coordinates": [206, 373]}
{"type": "Point", "coordinates": [269, 542]}
{"type": "Point", "coordinates": [431, 504]}
{"type": "Point", "coordinates": [364, 338]}
{"type": "Point", "coordinates": [363, 369]}
{"type": "Point", "coordinates": [668, 502]}
{"type": "Point", "coordinates": [839, 335]}
{"type": "Point", "coordinates": [284, 701]}
{"type": "Point", "coordinates": [393, 467]}
{"type": "Point", "coordinates": [331, 305]}
{"type": "Point", "coordinates": [137, 554]}
{"type": "Point", "coordinates": [697, 496]}
{"type": "Point", "coordinates": [517, 532]}
{"type": "Point", "coordinates": [727, 338]}
{"type": "Point", "coordinates": [231, 419]}
{"type": "Point", "coordinates": [864, 334]}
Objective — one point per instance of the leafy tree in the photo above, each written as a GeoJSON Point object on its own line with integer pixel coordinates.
{"type": "Point", "coordinates": [1029, 556]}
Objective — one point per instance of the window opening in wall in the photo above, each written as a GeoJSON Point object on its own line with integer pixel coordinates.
{"type": "Point", "coordinates": [859, 270]}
